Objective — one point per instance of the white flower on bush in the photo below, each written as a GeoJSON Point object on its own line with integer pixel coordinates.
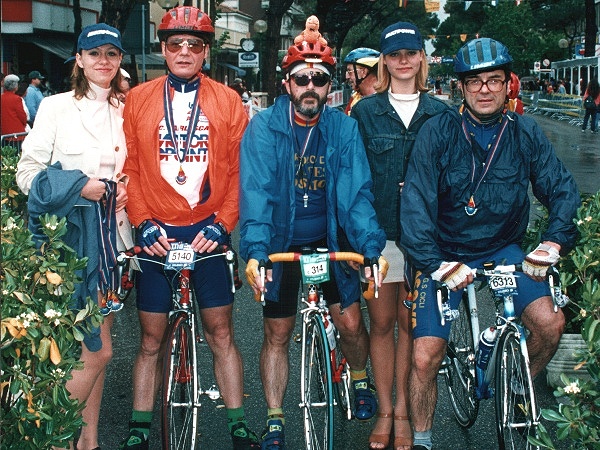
{"type": "Point", "coordinates": [10, 224]}
{"type": "Point", "coordinates": [58, 373]}
{"type": "Point", "coordinates": [572, 388]}
{"type": "Point", "coordinates": [27, 318]}
{"type": "Point", "coordinates": [50, 226]}
{"type": "Point", "coordinates": [52, 314]}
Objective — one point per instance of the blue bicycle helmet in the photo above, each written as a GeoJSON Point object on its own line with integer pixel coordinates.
{"type": "Point", "coordinates": [480, 55]}
{"type": "Point", "coordinates": [363, 56]}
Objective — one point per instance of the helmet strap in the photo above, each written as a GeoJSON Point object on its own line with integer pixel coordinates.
{"type": "Point", "coordinates": [356, 77]}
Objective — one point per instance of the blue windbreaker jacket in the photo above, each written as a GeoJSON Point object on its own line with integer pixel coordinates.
{"type": "Point", "coordinates": [435, 226]}
{"type": "Point", "coordinates": [267, 194]}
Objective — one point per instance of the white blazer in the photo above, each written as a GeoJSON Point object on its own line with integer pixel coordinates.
{"type": "Point", "coordinates": [61, 133]}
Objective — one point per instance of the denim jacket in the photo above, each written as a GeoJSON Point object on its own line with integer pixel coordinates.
{"type": "Point", "coordinates": [389, 145]}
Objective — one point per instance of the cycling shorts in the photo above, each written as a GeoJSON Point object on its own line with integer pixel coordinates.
{"type": "Point", "coordinates": [291, 278]}
{"type": "Point", "coordinates": [210, 279]}
{"type": "Point", "coordinates": [425, 314]}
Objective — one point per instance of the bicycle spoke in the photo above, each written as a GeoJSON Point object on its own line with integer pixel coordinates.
{"type": "Point", "coordinates": [180, 392]}
{"type": "Point", "coordinates": [460, 371]}
{"type": "Point", "coordinates": [516, 410]}
{"type": "Point", "coordinates": [317, 401]}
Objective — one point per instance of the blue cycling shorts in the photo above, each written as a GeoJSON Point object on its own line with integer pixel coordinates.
{"type": "Point", "coordinates": [210, 278]}
{"type": "Point", "coordinates": [425, 314]}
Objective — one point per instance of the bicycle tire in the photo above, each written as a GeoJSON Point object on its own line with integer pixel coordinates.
{"type": "Point", "coordinates": [516, 407]}
{"type": "Point", "coordinates": [317, 387]}
{"type": "Point", "coordinates": [341, 380]}
{"type": "Point", "coordinates": [461, 381]}
{"type": "Point", "coordinates": [180, 387]}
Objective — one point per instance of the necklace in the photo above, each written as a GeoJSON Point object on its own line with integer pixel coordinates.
{"type": "Point", "coordinates": [471, 207]}
{"type": "Point", "coordinates": [181, 177]}
{"type": "Point", "coordinates": [301, 150]}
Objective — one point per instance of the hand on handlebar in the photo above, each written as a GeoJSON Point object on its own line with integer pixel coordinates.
{"type": "Point", "coordinates": [255, 279]}
{"type": "Point", "coordinates": [153, 238]}
{"type": "Point", "coordinates": [454, 274]}
{"type": "Point", "coordinates": [537, 263]}
{"type": "Point", "coordinates": [375, 270]}
{"type": "Point", "coordinates": [209, 238]}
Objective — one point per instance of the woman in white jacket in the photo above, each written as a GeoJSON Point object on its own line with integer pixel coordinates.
{"type": "Point", "coordinates": [82, 130]}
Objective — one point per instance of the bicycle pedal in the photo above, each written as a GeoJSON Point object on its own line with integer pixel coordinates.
{"type": "Point", "coordinates": [213, 392]}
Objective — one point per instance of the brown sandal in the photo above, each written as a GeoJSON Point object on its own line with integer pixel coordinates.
{"type": "Point", "coordinates": [403, 440]}
{"type": "Point", "coordinates": [383, 439]}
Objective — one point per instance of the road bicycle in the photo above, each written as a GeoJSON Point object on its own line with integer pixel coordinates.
{"type": "Point", "coordinates": [474, 360]}
{"type": "Point", "coordinates": [325, 374]}
{"type": "Point", "coordinates": [181, 384]}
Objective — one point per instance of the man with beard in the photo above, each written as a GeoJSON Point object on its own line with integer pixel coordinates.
{"type": "Point", "coordinates": [305, 181]}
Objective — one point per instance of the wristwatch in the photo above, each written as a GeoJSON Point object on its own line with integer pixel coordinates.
{"type": "Point", "coordinates": [142, 225]}
{"type": "Point", "coordinates": [223, 227]}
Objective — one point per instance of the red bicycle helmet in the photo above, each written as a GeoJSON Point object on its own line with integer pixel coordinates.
{"type": "Point", "coordinates": [308, 52]}
{"type": "Point", "coordinates": [186, 20]}
{"type": "Point", "coordinates": [514, 86]}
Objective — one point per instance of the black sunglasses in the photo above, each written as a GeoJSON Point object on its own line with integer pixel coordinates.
{"type": "Point", "coordinates": [318, 79]}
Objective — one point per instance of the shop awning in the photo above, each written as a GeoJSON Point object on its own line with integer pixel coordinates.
{"type": "Point", "coordinates": [63, 48]}
{"type": "Point", "coordinates": [239, 72]}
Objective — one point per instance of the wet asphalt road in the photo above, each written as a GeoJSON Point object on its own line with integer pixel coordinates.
{"type": "Point", "coordinates": [581, 154]}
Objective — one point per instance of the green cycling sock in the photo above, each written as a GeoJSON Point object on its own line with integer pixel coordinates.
{"type": "Point", "coordinates": [234, 416]}
{"type": "Point", "coordinates": [141, 421]}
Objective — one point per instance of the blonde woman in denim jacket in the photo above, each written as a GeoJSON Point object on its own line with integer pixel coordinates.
{"type": "Point", "coordinates": [388, 122]}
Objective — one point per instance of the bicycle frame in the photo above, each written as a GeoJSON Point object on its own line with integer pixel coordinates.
{"type": "Point", "coordinates": [181, 384]}
{"type": "Point", "coordinates": [332, 377]}
{"type": "Point", "coordinates": [507, 364]}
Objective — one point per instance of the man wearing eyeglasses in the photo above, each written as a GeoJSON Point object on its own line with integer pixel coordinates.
{"type": "Point", "coordinates": [465, 201]}
{"type": "Point", "coordinates": [183, 134]}
{"type": "Point", "coordinates": [306, 182]}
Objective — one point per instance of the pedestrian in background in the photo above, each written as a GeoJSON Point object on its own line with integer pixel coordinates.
{"type": "Point", "coordinates": [34, 95]}
{"type": "Point", "coordinates": [14, 116]}
{"type": "Point", "coordinates": [388, 122]}
{"type": "Point", "coordinates": [361, 73]}
{"type": "Point", "coordinates": [75, 154]}
{"type": "Point", "coordinates": [591, 103]}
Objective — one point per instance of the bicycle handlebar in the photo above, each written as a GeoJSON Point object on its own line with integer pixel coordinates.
{"type": "Point", "coordinates": [227, 252]}
{"type": "Point", "coordinates": [490, 269]}
{"type": "Point", "coordinates": [333, 256]}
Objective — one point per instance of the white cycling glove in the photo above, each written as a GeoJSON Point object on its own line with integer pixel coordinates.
{"type": "Point", "coordinates": [537, 265]}
{"type": "Point", "coordinates": [451, 273]}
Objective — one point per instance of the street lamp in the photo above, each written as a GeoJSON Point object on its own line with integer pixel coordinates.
{"type": "Point", "coordinates": [260, 26]}
{"type": "Point", "coordinates": [167, 4]}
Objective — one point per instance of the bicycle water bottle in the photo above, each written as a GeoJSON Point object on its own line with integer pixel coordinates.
{"type": "Point", "coordinates": [486, 344]}
{"type": "Point", "coordinates": [329, 330]}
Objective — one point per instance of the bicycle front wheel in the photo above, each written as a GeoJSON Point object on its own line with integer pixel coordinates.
{"type": "Point", "coordinates": [516, 409]}
{"type": "Point", "coordinates": [180, 387]}
{"type": "Point", "coordinates": [459, 375]}
{"type": "Point", "coordinates": [317, 388]}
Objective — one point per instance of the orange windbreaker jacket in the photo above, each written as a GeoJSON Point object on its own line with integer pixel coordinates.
{"type": "Point", "coordinates": [151, 196]}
